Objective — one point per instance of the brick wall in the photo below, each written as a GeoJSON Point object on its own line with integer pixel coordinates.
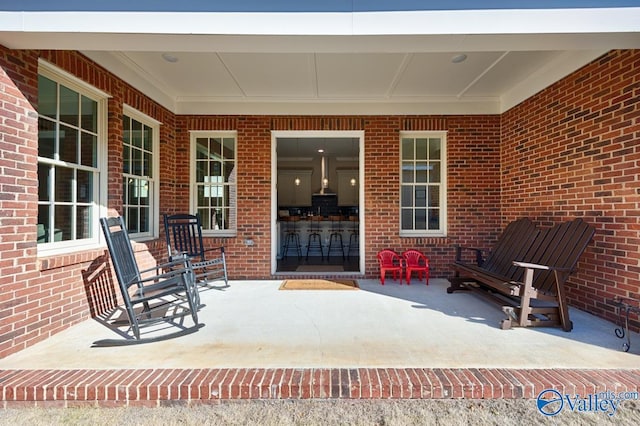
{"type": "Point", "coordinates": [573, 150]}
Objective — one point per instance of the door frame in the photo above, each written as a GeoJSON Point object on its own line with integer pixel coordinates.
{"type": "Point", "coordinates": [328, 134]}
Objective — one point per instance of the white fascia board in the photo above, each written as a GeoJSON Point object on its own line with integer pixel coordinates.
{"type": "Point", "coordinates": [503, 21]}
{"type": "Point", "coordinates": [522, 21]}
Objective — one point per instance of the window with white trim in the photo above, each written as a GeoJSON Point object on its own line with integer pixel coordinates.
{"type": "Point", "coordinates": [423, 184]}
{"type": "Point", "coordinates": [140, 173]}
{"type": "Point", "coordinates": [214, 181]}
{"type": "Point", "coordinates": [71, 117]}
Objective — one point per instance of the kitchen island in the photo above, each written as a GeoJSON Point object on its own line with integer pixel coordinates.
{"type": "Point", "coordinates": [323, 225]}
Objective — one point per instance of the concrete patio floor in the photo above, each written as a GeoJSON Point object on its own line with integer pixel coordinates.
{"type": "Point", "coordinates": [253, 324]}
{"type": "Point", "coordinates": [392, 341]}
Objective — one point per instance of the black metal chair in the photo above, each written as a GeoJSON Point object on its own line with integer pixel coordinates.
{"type": "Point", "coordinates": [184, 236]}
{"type": "Point", "coordinates": [159, 294]}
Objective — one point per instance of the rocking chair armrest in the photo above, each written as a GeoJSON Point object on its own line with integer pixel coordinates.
{"type": "Point", "coordinates": [220, 249]}
{"type": "Point", "coordinates": [528, 265]}
{"type": "Point", "coordinates": [169, 270]}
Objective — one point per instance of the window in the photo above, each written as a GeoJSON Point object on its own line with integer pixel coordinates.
{"type": "Point", "coordinates": [70, 119]}
{"type": "Point", "coordinates": [423, 184]}
{"type": "Point", "coordinates": [214, 181]}
{"type": "Point", "coordinates": [139, 174]}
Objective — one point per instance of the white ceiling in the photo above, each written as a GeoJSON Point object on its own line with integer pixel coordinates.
{"type": "Point", "coordinates": [372, 63]}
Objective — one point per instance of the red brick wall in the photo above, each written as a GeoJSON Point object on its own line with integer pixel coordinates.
{"type": "Point", "coordinates": [573, 150]}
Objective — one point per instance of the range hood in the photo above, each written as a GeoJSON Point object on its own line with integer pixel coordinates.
{"type": "Point", "coordinates": [324, 181]}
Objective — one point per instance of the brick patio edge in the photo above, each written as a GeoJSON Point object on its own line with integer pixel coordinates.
{"type": "Point", "coordinates": [160, 387]}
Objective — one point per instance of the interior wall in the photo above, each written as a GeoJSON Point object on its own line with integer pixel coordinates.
{"type": "Point", "coordinates": [573, 150]}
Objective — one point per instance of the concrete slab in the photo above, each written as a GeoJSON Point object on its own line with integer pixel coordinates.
{"type": "Point", "coordinates": [253, 324]}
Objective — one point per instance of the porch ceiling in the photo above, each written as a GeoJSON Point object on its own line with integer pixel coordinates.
{"type": "Point", "coordinates": [333, 63]}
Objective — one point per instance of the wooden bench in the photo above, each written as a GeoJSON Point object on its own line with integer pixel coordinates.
{"type": "Point", "coordinates": [526, 271]}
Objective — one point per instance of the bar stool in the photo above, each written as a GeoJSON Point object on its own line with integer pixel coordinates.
{"type": "Point", "coordinates": [335, 236]}
{"type": "Point", "coordinates": [354, 235]}
{"type": "Point", "coordinates": [315, 239]}
{"type": "Point", "coordinates": [292, 236]}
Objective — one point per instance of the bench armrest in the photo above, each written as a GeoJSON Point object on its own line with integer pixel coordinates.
{"type": "Point", "coordinates": [459, 248]}
{"type": "Point", "coordinates": [538, 266]}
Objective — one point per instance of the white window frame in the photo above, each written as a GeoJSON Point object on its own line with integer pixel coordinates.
{"type": "Point", "coordinates": [99, 203]}
{"type": "Point", "coordinates": [442, 230]}
{"type": "Point", "coordinates": [193, 195]}
{"type": "Point", "coordinates": [154, 192]}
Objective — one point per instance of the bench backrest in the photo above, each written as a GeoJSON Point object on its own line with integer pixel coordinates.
{"type": "Point", "coordinates": [560, 246]}
{"type": "Point", "coordinates": [513, 244]}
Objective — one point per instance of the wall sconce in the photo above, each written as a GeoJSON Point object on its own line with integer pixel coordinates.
{"type": "Point", "coordinates": [353, 181]}
{"type": "Point", "coordinates": [297, 181]}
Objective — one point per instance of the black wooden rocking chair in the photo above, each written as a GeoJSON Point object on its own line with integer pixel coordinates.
{"type": "Point", "coordinates": [163, 293]}
{"type": "Point", "coordinates": [184, 236]}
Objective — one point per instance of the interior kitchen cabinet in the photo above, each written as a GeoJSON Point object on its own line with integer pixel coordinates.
{"type": "Point", "coordinates": [347, 187]}
{"type": "Point", "coordinates": [294, 188]}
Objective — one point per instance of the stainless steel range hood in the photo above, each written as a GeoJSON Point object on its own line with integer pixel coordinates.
{"type": "Point", "coordinates": [324, 181]}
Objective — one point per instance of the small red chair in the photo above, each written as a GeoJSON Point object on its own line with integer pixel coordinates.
{"type": "Point", "coordinates": [390, 261]}
{"type": "Point", "coordinates": [414, 261]}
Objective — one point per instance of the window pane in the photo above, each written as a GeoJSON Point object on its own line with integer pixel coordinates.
{"type": "Point", "coordinates": [64, 186]}
{"type": "Point", "coordinates": [216, 147]}
{"type": "Point", "coordinates": [132, 220]}
{"type": "Point", "coordinates": [407, 149]}
{"type": "Point", "coordinates": [228, 170]}
{"type": "Point", "coordinates": [434, 148]}
{"type": "Point", "coordinates": [89, 114]}
{"type": "Point", "coordinates": [88, 150]}
{"type": "Point", "coordinates": [43, 182]}
{"type": "Point", "coordinates": [43, 224]}
{"type": "Point", "coordinates": [147, 166]}
{"type": "Point", "coordinates": [205, 218]}
{"type": "Point", "coordinates": [126, 159]}
{"type": "Point", "coordinates": [47, 97]}
{"type": "Point", "coordinates": [83, 224]}
{"type": "Point", "coordinates": [421, 149]}
{"type": "Point", "coordinates": [126, 130]}
{"type": "Point", "coordinates": [85, 186]}
{"type": "Point", "coordinates": [46, 138]}
{"type": "Point", "coordinates": [69, 106]}
{"type": "Point", "coordinates": [406, 196]}
{"type": "Point", "coordinates": [136, 162]}
{"type": "Point", "coordinates": [434, 196]}
{"type": "Point", "coordinates": [63, 229]}
{"type": "Point", "coordinates": [68, 144]}
{"type": "Point", "coordinates": [202, 148]}
{"type": "Point", "coordinates": [421, 171]}
{"type": "Point", "coordinates": [215, 169]}
{"type": "Point", "coordinates": [421, 196]}
{"type": "Point", "coordinates": [421, 219]}
{"type": "Point", "coordinates": [136, 134]}
{"type": "Point", "coordinates": [407, 219]}
{"type": "Point", "coordinates": [434, 219]}
{"type": "Point", "coordinates": [408, 172]}
{"type": "Point", "coordinates": [434, 172]}
{"type": "Point", "coordinates": [229, 149]}
{"type": "Point", "coordinates": [144, 219]}
{"type": "Point", "coordinates": [147, 136]}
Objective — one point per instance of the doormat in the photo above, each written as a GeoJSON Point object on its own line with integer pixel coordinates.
{"type": "Point", "coordinates": [320, 268]}
{"type": "Point", "coordinates": [319, 285]}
